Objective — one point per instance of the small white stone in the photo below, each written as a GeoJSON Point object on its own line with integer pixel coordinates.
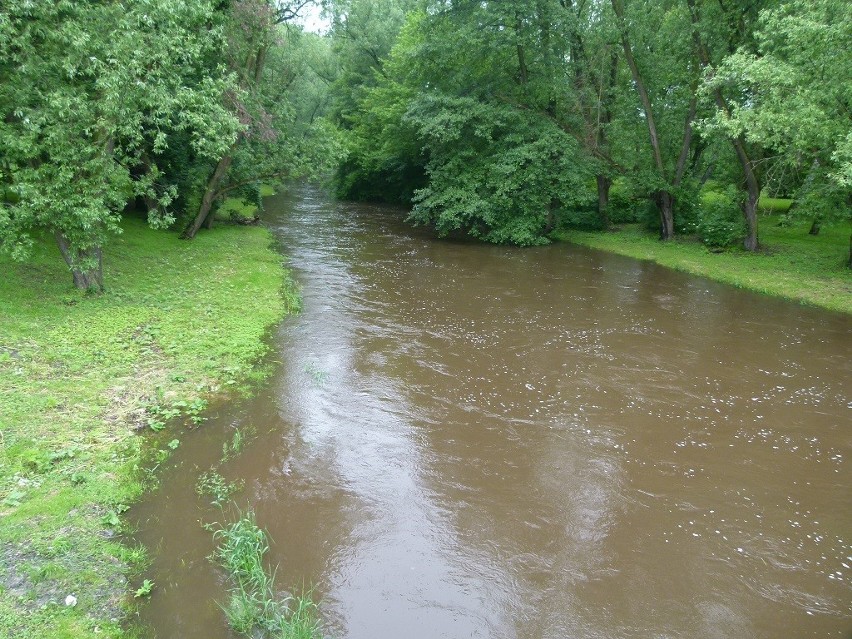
{"type": "Point", "coordinates": [71, 601]}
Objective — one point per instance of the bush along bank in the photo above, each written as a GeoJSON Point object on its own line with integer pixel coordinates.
{"type": "Point", "coordinates": [809, 269]}
{"type": "Point", "coordinates": [80, 375]}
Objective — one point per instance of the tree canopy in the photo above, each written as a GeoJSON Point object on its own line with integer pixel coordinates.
{"type": "Point", "coordinates": [170, 102]}
{"type": "Point", "coordinates": [498, 120]}
{"type": "Point", "coordinates": [495, 118]}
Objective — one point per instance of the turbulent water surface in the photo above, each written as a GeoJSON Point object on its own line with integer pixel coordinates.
{"type": "Point", "coordinates": [475, 441]}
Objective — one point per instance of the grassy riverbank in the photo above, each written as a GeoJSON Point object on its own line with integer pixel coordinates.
{"type": "Point", "coordinates": [792, 264]}
{"type": "Point", "coordinates": [180, 322]}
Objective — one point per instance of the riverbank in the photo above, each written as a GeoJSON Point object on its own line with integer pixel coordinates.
{"type": "Point", "coordinates": [180, 322]}
{"type": "Point", "coordinates": [791, 264]}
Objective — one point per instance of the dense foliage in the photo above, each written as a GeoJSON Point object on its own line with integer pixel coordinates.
{"type": "Point", "coordinates": [169, 102]}
{"type": "Point", "coordinates": [794, 94]}
{"type": "Point", "coordinates": [499, 119]}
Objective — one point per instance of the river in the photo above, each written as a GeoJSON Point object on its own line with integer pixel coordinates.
{"type": "Point", "coordinates": [462, 440]}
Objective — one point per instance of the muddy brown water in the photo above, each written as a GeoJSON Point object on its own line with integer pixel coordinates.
{"type": "Point", "coordinates": [476, 441]}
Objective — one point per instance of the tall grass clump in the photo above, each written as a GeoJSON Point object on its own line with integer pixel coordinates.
{"type": "Point", "coordinates": [254, 608]}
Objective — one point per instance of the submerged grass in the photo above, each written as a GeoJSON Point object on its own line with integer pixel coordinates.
{"type": "Point", "coordinates": [791, 264]}
{"type": "Point", "coordinates": [254, 606]}
{"type": "Point", "coordinates": [179, 322]}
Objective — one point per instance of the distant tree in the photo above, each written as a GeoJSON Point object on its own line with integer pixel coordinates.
{"type": "Point", "coordinates": [264, 51]}
{"type": "Point", "coordinates": [363, 32]}
{"type": "Point", "coordinates": [464, 122]}
{"type": "Point", "coordinates": [383, 160]}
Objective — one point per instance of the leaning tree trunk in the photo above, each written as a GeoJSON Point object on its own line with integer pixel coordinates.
{"type": "Point", "coordinates": [209, 196]}
{"type": "Point", "coordinates": [86, 266]}
{"type": "Point", "coordinates": [663, 198]}
{"type": "Point", "coordinates": [208, 223]}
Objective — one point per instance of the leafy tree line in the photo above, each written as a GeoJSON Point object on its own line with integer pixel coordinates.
{"type": "Point", "coordinates": [494, 119]}
{"type": "Point", "coordinates": [165, 105]}
{"type": "Point", "coordinates": [499, 119]}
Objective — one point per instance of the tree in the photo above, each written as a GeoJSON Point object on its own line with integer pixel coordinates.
{"type": "Point", "coordinates": [464, 121]}
{"type": "Point", "coordinates": [363, 32]}
{"type": "Point", "coordinates": [494, 172]}
{"type": "Point", "coordinates": [383, 159]}
{"type": "Point", "coordinates": [666, 86]}
{"type": "Point", "coordinates": [263, 52]}
{"type": "Point", "coordinates": [793, 95]}
{"type": "Point", "coordinates": [85, 89]}
{"type": "Point", "coordinates": [737, 23]}
{"type": "Point", "coordinates": [592, 73]}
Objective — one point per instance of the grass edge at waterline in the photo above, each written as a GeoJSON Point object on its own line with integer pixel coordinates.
{"type": "Point", "coordinates": [791, 264]}
{"type": "Point", "coordinates": [179, 323]}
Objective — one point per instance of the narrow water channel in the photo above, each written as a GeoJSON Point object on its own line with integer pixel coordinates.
{"type": "Point", "coordinates": [476, 441]}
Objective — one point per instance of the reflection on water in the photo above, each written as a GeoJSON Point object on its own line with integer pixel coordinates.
{"type": "Point", "coordinates": [478, 441]}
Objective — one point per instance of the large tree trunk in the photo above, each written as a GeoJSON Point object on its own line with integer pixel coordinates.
{"type": "Point", "coordinates": [753, 188]}
{"type": "Point", "coordinates": [604, 183]}
{"type": "Point", "coordinates": [209, 196]}
{"type": "Point", "coordinates": [665, 203]}
{"type": "Point", "coordinates": [86, 266]}
{"type": "Point", "coordinates": [817, 221]}
{"type": "Point", "coordinates": [664, 199]}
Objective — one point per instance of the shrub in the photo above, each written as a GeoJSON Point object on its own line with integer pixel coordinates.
{"type": "Point", "coordinates": [720, 220]}
{"type": "Point", "coordinates": [584, 218]}
{"type": "Point", "coordinates": [687, 214]}
{"type": "Point", "coordinates": [649, 215]}
{"type": "Point", "coordinates": [624, 207]}
{"type": "Point", "coordinates": [255, 608]}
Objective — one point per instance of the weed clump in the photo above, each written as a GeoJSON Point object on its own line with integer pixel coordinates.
{"type": "Point", "coordinates": [254, 607]}
{"type": "Point", "coordinates": [215, 487]}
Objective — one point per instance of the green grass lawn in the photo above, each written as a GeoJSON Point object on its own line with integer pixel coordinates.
{"type": "Point", "coordinates": [235, 206]}
{"type": "Point", "coordinates": [240, 208]}
{"type": "Point", "coordinates": [770, 205]}
{"type": "Point", "coordinates": [180, 322]}
{"type": "Point", "coordinates": [791, 264]}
